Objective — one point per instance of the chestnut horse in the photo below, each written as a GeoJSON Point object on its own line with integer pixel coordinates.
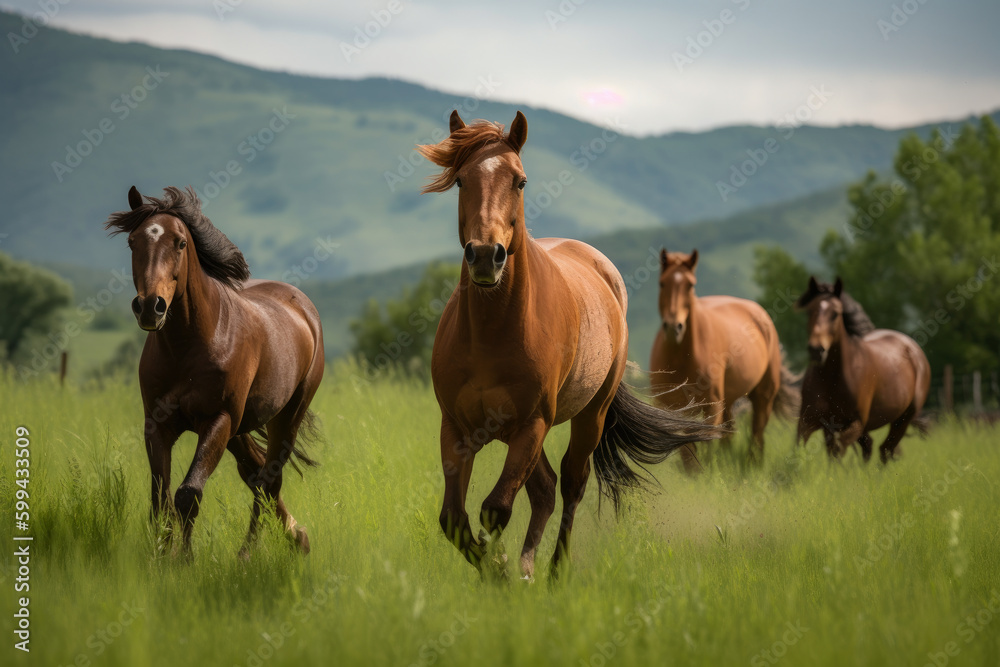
{"type": "Point", "coordinates": [859, 378]}
{"type": "Point", "coordinates": [225, 357]}
{"type": "Point", "coordinates": [533, 336]}
{"type": "Point", "coordinates": [713, 350]}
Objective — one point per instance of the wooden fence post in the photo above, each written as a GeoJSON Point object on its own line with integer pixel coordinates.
{"type": "Point", "coordinates": [949, 388]}
{"type": "Point", "coordinates": [977, 391]}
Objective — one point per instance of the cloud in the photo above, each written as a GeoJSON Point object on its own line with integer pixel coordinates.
{"type": "Point", "coordinates": [755, 61]}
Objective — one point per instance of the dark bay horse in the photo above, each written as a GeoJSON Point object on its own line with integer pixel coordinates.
{"type": "Point", "coordinates": [226, 357]}
{"type": "Point", "coordinates": [534, 335]}
{"type": "Point", "coordinates": [714, 350]}
{"type": "Point", "coordinates": [859, 378]}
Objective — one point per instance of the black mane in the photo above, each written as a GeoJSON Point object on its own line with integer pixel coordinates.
{"type": "Point", "coordinates": [856, 320]}
{"type": "Point", "coordinates": [219, 257]}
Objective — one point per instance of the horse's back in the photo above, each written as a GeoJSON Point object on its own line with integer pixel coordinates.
{"type": "Point", "coordinates": [903, 369]}
{"type": "Point", "coordinates": [585, 268]}
{"type": "Point", "coordinates": [599, 292]}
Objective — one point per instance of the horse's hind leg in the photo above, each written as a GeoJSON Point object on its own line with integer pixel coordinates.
{"type": "Point", "coordinates": [896, 433]}
{"type": "Point", "coordinates": [249, 461]}
{"type": "Point", "coordinates": [762, 399]}
{"type": "Point", "coordinates": [541, 488]}
{"type": "Point", "coordinates": [865, 441]}
{"type": "Point", "coordinates": [281, 434]}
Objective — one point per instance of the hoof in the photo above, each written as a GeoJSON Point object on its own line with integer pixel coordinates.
{"type": "Point", "coordinates": [301, 540]}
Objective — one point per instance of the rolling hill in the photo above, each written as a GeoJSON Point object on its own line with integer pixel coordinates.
{"type": "Point", "coordinates": [288, 163]}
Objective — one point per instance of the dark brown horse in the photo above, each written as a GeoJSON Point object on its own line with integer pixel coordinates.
{"type": "Point", "coordinates": [225, 357]}
{"type": "Point", "coordinates": [534, 335]}
{"type": "Point", "coordinates": [714, 350]}
{"type": "Point", "coordinates": [859, 378]}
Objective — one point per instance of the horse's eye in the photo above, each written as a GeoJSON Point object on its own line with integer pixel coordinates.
{"type": "Point", "coordinates": [520, 186]}
{"type": "Point", "coordinates": [183, 244]}
{"type": "Point", "coordinates": [835, 315]}
{"type": "Point", "coordinates": [458, 182]}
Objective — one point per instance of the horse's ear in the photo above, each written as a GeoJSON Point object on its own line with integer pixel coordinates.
{"type": "Point", "coordinates": [518, 132]}
{"type": "Point", "coordinates": [692, 261]}
{"type": "Point", "coordinates": [838, 287]}
{"type": "Point", "coordinates": [134, 198]}
{"type": "Point", "coordinates": [455, 123]}
{"type": "Point", "coordinates": [809, 294]}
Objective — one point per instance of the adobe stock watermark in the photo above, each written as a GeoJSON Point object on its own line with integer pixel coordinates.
{"type": "Point", "coordinates": [431, 651]}
{"type": "Point", "coordinates": [967, 630]}
{"type": "Point", "coordinates": [223, 7]}
{"type": "Point", "coordinates": [58, 341]}
{"type": "Point", "coordinates": [913, 169]}
{"type": "Point", "coordinates": [563, 11]}
{"type": "Point", "coordinates": [639, 618]}
{"type": "Point", "coordinates": [406, 165]}
{"type": "Point", "coordinates": [779, 649]}
{"type": "Point", "coordinates": [371, 30]}
{"type": "Point", "coordinates": [700, 42]}
{"type": "Point", "coordinates": [892, 534]}
{"type": "Point", "coordinates": [48, 9]}
{"type": "Point", "coordinates": [956, 298]}
{"type": "Point", "coordinates": [122, 106]}
{"type": "Point", "coordinates": [899, 17]}
{"type": "Point", "coordinates": [104, 637]}
{"type": "Point", "coordinates": [323, 250]}
{"type": "Point", "coordinates": [580, 159]}
{"type": "Point", "coordinates": [739, 175]}
{"type": "Point", "coordinates": [249, 148]}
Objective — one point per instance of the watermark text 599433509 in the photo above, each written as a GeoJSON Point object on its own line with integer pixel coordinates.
{"type": "Point", "coordinates": [22, 540]}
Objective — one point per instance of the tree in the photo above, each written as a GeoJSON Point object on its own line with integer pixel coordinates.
{"type": "Point", "coordinates": [30, 303]}
{"type": "Point", "coordinates": [401, 333]}
{"type": "Point", "coordinates": [781, 280]}
{"type": "Point", "coordinates": [921, 248]}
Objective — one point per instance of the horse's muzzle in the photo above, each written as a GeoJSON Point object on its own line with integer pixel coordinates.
{"type": "Point", "coordinates": [486, 263]}
{"type": "Point", "coordinates": [674, 330]}
{"type": "Point", "coordinates": [818, 353]}
{"type": "Point", "coordinates": [150, 312]}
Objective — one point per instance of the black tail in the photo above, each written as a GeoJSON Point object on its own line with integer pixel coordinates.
{"type": "Point", "coordinates": [922, 424]}
{"type": "Point", "coordinates": [788, 402]}
{"type": "Point", "coordinates": [645, 434]}
{"type": "Point", "coordinates": [308, 434]}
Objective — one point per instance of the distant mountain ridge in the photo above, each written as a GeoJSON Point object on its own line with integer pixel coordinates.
{"type": "Point", "coordinates": [288, 164]}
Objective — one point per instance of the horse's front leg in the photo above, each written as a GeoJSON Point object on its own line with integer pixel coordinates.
{"type": "Point", "coordinates": [523, 453]}
{"type": "Point", "coordinates": [160, 438]}
{"type": "Point", "coordinates": [212, 440]}
{"type": "Point", "coordinates": [457, 458]}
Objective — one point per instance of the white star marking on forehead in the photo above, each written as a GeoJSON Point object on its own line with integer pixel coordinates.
{"type": "Point", "coordinates": [491, 164]}
{"type": "Point", "coordinates": [154, 232]}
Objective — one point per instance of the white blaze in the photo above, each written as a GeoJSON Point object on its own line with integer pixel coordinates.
{"type": "Point", "coordinates": [154, 232]}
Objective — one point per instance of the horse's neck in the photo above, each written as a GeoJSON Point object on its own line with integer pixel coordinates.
{"type": "Point", "coordinates": [492, 312]}
{"type": "Point", "coordinates": [845, 349]}
{"type": "Point", "coordinates": [195, 313]}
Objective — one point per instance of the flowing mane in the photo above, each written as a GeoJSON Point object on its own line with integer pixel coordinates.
{"type": "Point", "coordinates": [856, 320]}
{"type": "Point", "coordinates": [219, 257]}
{"type": "Point", "coordinates": [455, 150]}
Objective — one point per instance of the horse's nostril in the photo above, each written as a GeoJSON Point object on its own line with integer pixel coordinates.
{"type": "Point", "coordinates": [470, 254]}
{"type": "Point", "coordinates": [499, 253]}
{"type": "Point", "coordinates": [136, 306]}
{"type": "Point", "coordinates": [160, 307]}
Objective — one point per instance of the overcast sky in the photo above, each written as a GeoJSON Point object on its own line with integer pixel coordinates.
{"type": "Point", "coordinates": [887, 62]}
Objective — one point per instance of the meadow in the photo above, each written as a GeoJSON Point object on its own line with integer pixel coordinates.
{"type": "Point", "coordinates": [797, 561]}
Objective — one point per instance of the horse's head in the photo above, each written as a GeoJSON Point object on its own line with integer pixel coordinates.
{"type": "Point", "coordinates": [677, 281]}
{"type": "Point", "coordinates": [486, 166]}
{"type": "Point", "coordinates": [826, 316]}
{"type": "Point", "coordinates": [161, 249]}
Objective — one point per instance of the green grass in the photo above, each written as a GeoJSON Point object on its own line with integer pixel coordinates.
{"type": "Point", "coordinates": [871, 565]}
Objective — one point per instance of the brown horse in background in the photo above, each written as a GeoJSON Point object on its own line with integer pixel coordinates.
{"type": "Point", "coordinates": [714, 350]}
{"type": "Point", "coordinates": [225, 357]}
{"type": "Point", "coordinates": [534, 335]}
{"type": "Point", "coordinates": [860, 378]}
